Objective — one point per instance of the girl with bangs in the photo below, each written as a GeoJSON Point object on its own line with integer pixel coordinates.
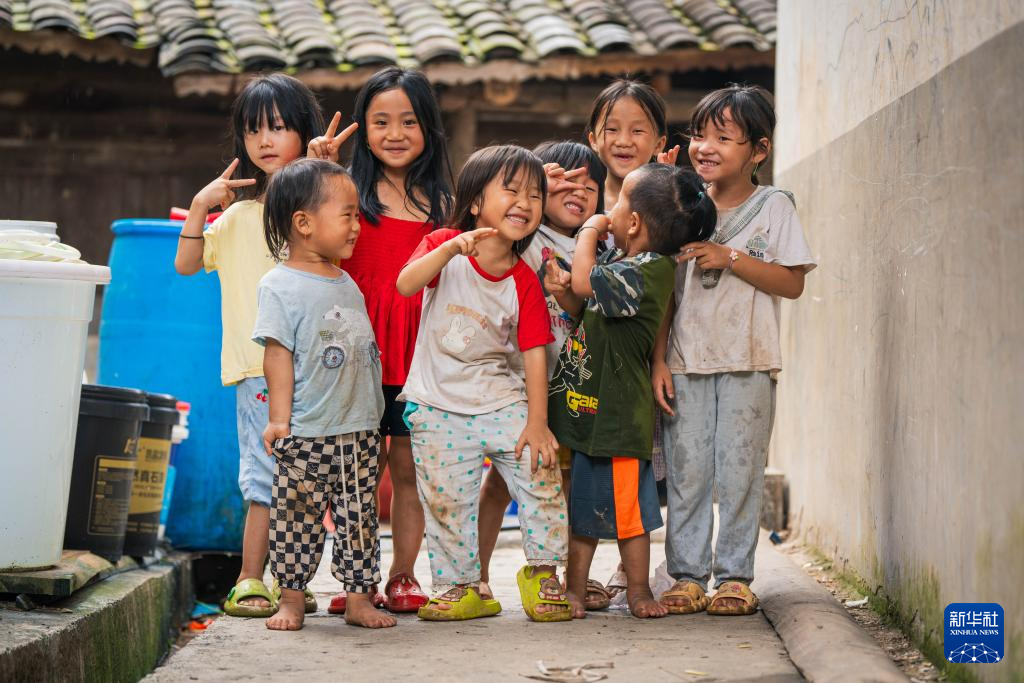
{"type": "Point", "coordinates": [465, 397]}
{"type": "Point", "coordinates": [714, 374]}
{"type": "Point", "coordinates": [273, 120]}
{"type": "Point", "coordinates": [401, 169]}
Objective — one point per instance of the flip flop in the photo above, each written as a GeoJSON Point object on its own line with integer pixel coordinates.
{"type": "Point", "coordinates": [249, 588]}
{"type": "Point", "coordinates": [616, 584]}
{"type": "Point", "coordinates": [601, 598]}
{"type": "Point", "coordinates": [738, 590]}
{"type": "Point", "coordinates": [533, 594]}
{"type": "Point", "coordinates": [691, 591]}
{"type": "Point", "coordinates": [464, 603]}
{"type": "Point", "coordinates": [309, 599]}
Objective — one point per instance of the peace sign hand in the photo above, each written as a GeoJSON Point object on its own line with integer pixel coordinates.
{"type": "Point", "coordinates": [559, 179]}
{"type": "Point", "coordinates": [556, 280]}
{"type": "Point", "coordinates": [327, 145]}
{"type": "Point", "coordinates": [465, 243]}
{"type": "Point", "coordinates": [669, 157]}
{"type": "Point", "coordinates": [222, 189]}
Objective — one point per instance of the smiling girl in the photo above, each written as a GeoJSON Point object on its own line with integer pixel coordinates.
{"type": "Point", "coordinates": [400, 165]}
{"type": "Point", "coordinates": [483, 307]}
{"type": "Point", "coordinates": [720, 363]}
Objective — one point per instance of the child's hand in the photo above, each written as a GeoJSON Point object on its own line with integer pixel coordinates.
{"type": "Point", "coordinates": [221, 190]}
{"type": "Point", "coordinates": [599, 222]}
{"type": "Point", "coordinates": [708, 255]}
{"type": "Point", "coordinates": [327, 145]}
{"type": "Point", "coordinates": [559, 179]}
{"type": "Point", "coordinates": [542, 443]}
{"type": "Point", "coordinates": [273, 432]}
{"type": "Point", "coordinates": [465, 243]}
{"type": "Point", "coordinates": [661, 384]}
{"type": "Point", "coordinates": [669, 157]}
{"type": "Point", "coordinates": [556, 280]}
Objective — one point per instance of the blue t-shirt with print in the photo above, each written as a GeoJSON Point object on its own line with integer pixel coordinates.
{"type": "Point", "coordinates": [323, 322]}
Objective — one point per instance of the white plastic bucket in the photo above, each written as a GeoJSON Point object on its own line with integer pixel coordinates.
{"type": "Point", "coordinates": [45, 309]}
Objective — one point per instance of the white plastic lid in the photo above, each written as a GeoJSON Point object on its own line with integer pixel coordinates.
{"type": "Point", "coordinates": [42, 227]}
{"type": "Point", "coordinates": [49, 270]}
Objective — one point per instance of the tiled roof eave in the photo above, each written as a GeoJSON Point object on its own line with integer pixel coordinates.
{"type": "Point", "coordinates": [65, 44]}
{"type": "Point", "coordinates": [566, 67]}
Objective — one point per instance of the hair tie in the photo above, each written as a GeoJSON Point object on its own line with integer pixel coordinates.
{"type": "Point", "coordinates": [700, 195]}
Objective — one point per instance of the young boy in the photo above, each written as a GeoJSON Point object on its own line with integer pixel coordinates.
{"type": "Point", "coordinates": [600, 397]}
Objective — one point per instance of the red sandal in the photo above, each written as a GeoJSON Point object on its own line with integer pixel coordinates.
{"type": "Point", "coordinates": [404, 594]}
{"type": "Point", "coordinates": [339, 601]}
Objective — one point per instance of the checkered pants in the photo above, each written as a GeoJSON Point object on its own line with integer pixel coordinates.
{"type": "Point", "coordinates": [310, 473]}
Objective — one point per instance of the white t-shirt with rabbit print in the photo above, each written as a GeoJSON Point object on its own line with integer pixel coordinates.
{"type": "Point", "coordinates": [472, 326]}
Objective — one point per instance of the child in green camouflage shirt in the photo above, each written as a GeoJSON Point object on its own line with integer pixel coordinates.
{"type": "Point", "coordinates": [600, 400]}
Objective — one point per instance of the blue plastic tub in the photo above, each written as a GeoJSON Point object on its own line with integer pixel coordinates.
{"type": "Point", "coordinates": [160, 332]}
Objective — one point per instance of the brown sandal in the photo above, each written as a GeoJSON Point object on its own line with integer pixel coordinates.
{"type": "Point", "coordinates": [698, 599]}
{"type": "Point", "coordinates": [597, 596]}
{"type": "Point", "coordinates": [736, 590]}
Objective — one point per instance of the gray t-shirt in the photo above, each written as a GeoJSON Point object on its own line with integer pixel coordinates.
{"type": "Point", "coordinates": [323, 322]}
{"type": "Point", "coordinates": [734, 327]}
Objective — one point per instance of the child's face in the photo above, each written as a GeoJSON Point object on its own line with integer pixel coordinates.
{"type": "Point", "coordinates": [722, 152]}
{"type": "Point", "coordinates": [627, 139]}
{"type": "Point", "coordinates": [392, 129]}
{"type": "Point", "coordinates": [623, 223]}
{"type": "Point", "coordinates": [566, 210]}
{"type": "Point", "coordinates": [514, 209]}
{"type": "Point", "coordinates": [334, 227]}
{"type": "Point", "coordinates": [271, 147]}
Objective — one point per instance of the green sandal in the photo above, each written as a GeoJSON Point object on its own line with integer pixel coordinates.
{"type": "Point", "coordinates": [542, 588]}
{"type": "Point", "coordinates": [249, 588]}
{"type": "Point", "coordinates": [309, 598]}
{"type": "Point", "coordinates": [464, 603]}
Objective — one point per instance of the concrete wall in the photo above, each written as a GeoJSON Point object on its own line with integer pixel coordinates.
{"type": "Point", "coordinates": [901, 412]}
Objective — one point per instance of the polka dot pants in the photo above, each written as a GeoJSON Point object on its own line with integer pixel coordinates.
{"type": "Point", "coordinates": [449, 450]}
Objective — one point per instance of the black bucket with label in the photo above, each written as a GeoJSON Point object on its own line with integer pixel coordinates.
{"type": "Point", "coordinates": [109, 422]}
{"type": "Point", "coordinates": [151, 461]}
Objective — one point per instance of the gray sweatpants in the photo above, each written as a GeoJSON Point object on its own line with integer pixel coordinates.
{"type": "Point", "coordinates": [718, 439]}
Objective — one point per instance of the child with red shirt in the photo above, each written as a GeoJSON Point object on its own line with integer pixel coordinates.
{"type": "Point", "coordinates": [400, 166]}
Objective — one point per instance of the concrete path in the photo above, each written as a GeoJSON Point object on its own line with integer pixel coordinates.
{"type": "Point", "coordinates": [502, 648]}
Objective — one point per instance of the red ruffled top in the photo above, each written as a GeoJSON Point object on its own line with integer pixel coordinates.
{"type": "Point", "coordinates": [380, 253]}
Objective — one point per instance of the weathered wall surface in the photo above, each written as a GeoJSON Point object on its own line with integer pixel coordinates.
{"type": "Point", "coordinates": [901, 412]}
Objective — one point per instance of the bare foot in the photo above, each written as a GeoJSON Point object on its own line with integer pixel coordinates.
{"type": "Point", "coordinates": [579, 609]}
{"type": "Point", "coordinates": [359, 611]}
{"type": "Point", "coordinates": [290, 611]}
{"type": "Point", "coordinates": [730, 603]}
{"type": "Point", "coordinates": [643, 605]}
{"type": "Point", "coordinates": [484, 589]}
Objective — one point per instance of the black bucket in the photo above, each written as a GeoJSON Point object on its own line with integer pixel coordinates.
{"type": "Point", "coordinates": [109, 421]}
{"type": "Point", "coordinates": [140, 535]}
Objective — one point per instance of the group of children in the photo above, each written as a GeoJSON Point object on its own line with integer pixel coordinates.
{"type": "Point", "coordinates": [375, 316]}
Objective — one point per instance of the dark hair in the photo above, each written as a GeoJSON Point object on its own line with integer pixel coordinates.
{"type": "Point", "coordinates": [569, 155]}
{"type": "Point", "coordinates": [255, 104]}
{"type": "Point", "coordinates": [750, 108]}
{"type": "Point", "coordinates": [430, 173]}
{"type": "Point", "coordinates": [675, 206]}
{"type": "Point", "coordinates": [299, 186]}
{"type": "Point", "coordinates": [646, 96]}
{"type": "Point", "coordinates": [482, 167]}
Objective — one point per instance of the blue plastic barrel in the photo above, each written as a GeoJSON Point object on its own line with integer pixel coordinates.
{"type": "Point", "coordinates": [161, 332]}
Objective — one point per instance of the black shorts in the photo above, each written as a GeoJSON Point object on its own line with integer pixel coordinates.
{"type": "Point", "coordinates": [392, 424]}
